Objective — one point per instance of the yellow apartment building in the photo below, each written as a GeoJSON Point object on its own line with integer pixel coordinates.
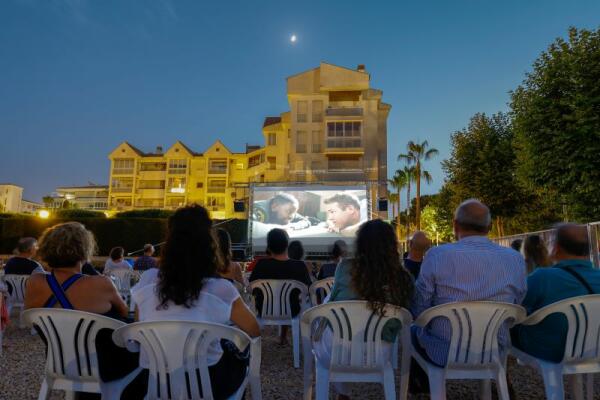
{"type": "Point", "coordinates": [335, 132]}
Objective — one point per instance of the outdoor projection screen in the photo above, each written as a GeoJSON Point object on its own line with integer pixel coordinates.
{"type": "Point", "coordinates": [317, 215]}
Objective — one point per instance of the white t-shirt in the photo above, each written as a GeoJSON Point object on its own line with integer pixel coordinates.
{"type": "Point", "coordinates": [213, 305]}
{"type": "Point", "coordinates": [111, 265]}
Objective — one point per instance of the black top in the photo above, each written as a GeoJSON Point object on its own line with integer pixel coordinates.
{"type": "Point", "coordinates": [327, 270]}
{"type": "Point", "coordinates": [414, 267]}
{"type": "Point", "coordinates": [21, 266]}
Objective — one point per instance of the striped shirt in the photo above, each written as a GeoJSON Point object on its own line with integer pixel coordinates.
{"type": "Point", "coordinates": [472, 269]}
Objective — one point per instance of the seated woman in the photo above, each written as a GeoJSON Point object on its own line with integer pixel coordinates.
{"type": "Point", "coordinates": [65, 248]}
{"type": "Point", "coordinates": [116, 261]}
{"type": "Point", "coordinates": [187, 287]}
{"type": "Point", "coordinates": [375, 275]}
{"type": "Point", "coordinates": [230, 269]}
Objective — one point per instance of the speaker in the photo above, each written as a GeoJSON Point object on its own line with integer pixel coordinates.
{"type": "Point", "coordinates": [239, 206]}
{"type": "Point", "coordinates": [382, 205]}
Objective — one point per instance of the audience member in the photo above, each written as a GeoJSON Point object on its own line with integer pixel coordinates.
{"type": "Point", "coordinates": [376, 275]}
{"type": "Point", "coordinates": [338, 252]}
{"type": "Point", "coordinates": [535, 253]}
{"type": "Point", "coordinates": [417, 246]}
{"type": "Point", "coordinates": [516, 244]}
{"type": "Point", "coordinates": [474, 268]}
{"type": "Point", "coordinates": [145, 261]}
{"type": "Point", "coordinates": [280, 266]}
{"type": "Point", "coordinates": [186, 287]}
{"type": "Point", "coordinates": [230, 269]}
{"type": "Point", "coordinates": [296, 252]}
{"type": "Point", "coordinates": [21, 263]}
{"type": "Point", "coordinates": [65, 247]}
{"type": "Point", "coordinates": [572, 275]}
{"type": "Point", "coordinates": [116, 261]}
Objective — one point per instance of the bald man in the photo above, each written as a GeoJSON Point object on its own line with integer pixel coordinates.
{"type": "Point", "coordinates": [572, 275]}
{"type": "Point", "coordinates": [418, 245]}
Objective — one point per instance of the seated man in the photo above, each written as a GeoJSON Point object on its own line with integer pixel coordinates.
{"type": "Point", "coordinates": [572, 275]}
{"type": "Point", "coordinates": [280, 266]}
{"type": "Point", "coordinates": [146, 261]}
{"type": "Point", "coordinates": [22, 263]}
{"type": "Point", "coordinates": [472, 269]}
{"type": "Point", "coordinates": [418, 245]}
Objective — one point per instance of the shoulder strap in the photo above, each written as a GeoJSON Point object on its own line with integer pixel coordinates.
{"type": "Point", "coordinates": [578, 276]}
{"type": "Point", "coordinates": [58, 291]}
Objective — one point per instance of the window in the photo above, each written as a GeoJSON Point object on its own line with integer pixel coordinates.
{"type": "Point", "coordinates": [151, 184]}
{"type": "Point", "coordinates": [215, 201]}
{"type": "Point", "coordinates": [272, 139]}
{"type": "Point", "coordinates": [176, 185]}
{"type": "Point", "coordinates": [302, 111]}
{"type": "Point", "coordinates": [153, 166]}
{"type": "Point", "coordinates": [178, 201]}
{"type": "Point", "coordinates": [122, 185]}
{"type": "Point", "coordinates": [216, 186]}
{"type": "Point", "coordinates": [177, 166]}
{"type": "Point", "coordinates": [256, 160]}
{"type": "Point", "coordinates": [300, 142]}
{"type": "Point", "coordinates": [123, 166]}
{"type": "Point", "coordinates": [272, 161]}
{"type": "Point", "coordinates": [217, 167]}
{"type": "Point", "coordinates": [317, 111]}
{"type": "Point", "coordinates": [344, 163]}
{"type": "Point", "coordinates": [316, 141]}
{"type": "Point", "coordinates": [199, 185]}
{"type": "Point", "coordinates": [343, 134]}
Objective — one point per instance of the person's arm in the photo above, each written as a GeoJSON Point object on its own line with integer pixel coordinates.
{"type": "Point", "coordinates": [243, 318]}
{"type": "Point", "coordinates": [31, 291]}
{"type": "Point", "coordinates": [237, 273]}
{"type": "Point", "coordinates": [115, 298]}
{"type": "Point", "coordinates": [425, 286]}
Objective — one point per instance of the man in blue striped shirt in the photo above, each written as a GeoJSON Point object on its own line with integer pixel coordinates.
{"type": "Point", "coordinates": [474, 268]}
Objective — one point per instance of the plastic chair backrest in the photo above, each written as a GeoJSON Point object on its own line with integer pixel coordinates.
{"type": "Point", "coordinates": [16, 288]}
{"type": "Point", "coordinates": [475, 326]}
{"type": "Point", "coordinates": [123, 277]}
{"type": "Point", "coordinates": [177, 354]}
{"type": "Point", "coordinates": [323, 287]}
{"type": "Point", "coordinates": [71, 338]}
{"type": "Point", "coordinates": [583, 334]}
{"type": "Point", "coordinates": [356, 332]}
{"type": "Point", "coordinates": [276, 297]}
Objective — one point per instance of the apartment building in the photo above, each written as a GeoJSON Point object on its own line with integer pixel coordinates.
{"type": "Point", "coordinates": [335, 132]}
{"type": "Point", "coordinates": [88, 197]}
{"type": "Point", "coordinates": [10, 198]}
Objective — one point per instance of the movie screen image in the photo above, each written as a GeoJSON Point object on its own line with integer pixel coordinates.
{"type": "Point", "coordinates": [316, 215]}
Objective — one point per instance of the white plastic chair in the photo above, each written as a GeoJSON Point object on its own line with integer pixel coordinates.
{"type": "Point", "coordinates": [123, 279]}
{"type": "Point", "coordinates": [357, 353]}
{"type": "Point", "coordinates": [582, 347]}
{"type": "Point", "coordinates": [276, 308]}
{"type": "Point", "coordinates": [474, 351]}
{"type": "Point", "coordinates": [16, 297]}
{"type": "Point", "coordinates": [176, 350]}
{"type": "Point", "coordinates": [322, 287]}
{"type": "Point", "coordinates": [71, 359]}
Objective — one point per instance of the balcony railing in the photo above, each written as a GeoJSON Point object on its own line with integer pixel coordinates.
{"type": "Point", "coordinates": [344, 112]}
{"type": "Point", "coordinates": [217, 170]}
{"type": "Point", "coordinates": [344, 143]}
{"type": "Point", "coordinates": [122, 171]}
{"type": "Point", "coordinates": [122, 189]}
{"type": "Point", "coordinates": [216, 189]}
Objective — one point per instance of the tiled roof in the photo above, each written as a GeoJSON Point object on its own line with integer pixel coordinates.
{"type": "Point", "coordinates": [271, 121]}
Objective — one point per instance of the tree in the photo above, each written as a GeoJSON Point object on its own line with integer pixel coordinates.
{"type": "Point", "coordinates": [556, 119]}
{"type": "Point", "coordinates": [436, 228]}
{"type": "Point", "coordinates": [398, 182]}
{"type": "Point", "coordinates": [417, 154]}
{"type": "Point", "coordinates": [48, 201]}
{"type": "Point", "coordinates": [409, 173]}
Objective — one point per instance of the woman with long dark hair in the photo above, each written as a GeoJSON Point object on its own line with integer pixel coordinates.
{"type": "Point", "coordinates": [187, 286]}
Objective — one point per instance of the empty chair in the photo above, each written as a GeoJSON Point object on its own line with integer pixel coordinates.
{"type": "Point", "coordinates": [358, 352]}
{"type": "Point", "coordinates": [177, 356]}
{"type": "Point", "coordinates": [320, 288]}
{"type": "Point", "coordinates": [582, 351]}
{"type": "Point", "coordinates": [72, 357]}
{"type": "Point", "coordinates": [474, 351]}
{"type": "Point", "coordinates": [16, 292]}
{"type": "Point", "coordinates": [276, 308]}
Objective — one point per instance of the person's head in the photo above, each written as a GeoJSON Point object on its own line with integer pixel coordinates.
{"type": "Point", "coordinates": [535, 252]}
{"type": "Point", "coordinates": [571, 242]}
{"type": "Point", "coordinates": [26, 247]}
{"type": "Point", "coordinates": [66, 245]}
{"type": "Point", "coordinates": [517, 244]}
{"type": "Point", "coordinates": [472, 218]}
{"type": "Point", "coordinates": [339, 250]}
{"type": "Point", "coordinates": [224, 246]}
{"type": "Point", "coordinates": [343, 210]}
{"type": "Point", "coordinates": [377, 274]}
{"type": "Point", "coordinates": [282, 208]}
{"type": "Point", "coordinates": [189, 256]}
{"type": "Point", "coordinates": [277, 242]}
{"type": "Point", "coordinates": [419, 243]}
{"type": "Point", "coordinates": [148, 250]}
{"type": "Point", "coordinates": [296, 250]}
{"type": "Point", "coordinates": [117, 253]}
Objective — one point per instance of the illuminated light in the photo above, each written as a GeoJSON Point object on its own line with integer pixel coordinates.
{"type": "Point", "coordinates": [44, 214]}
{"type": "Point", "coordinates": [293, 39]}
{"type": "Point", "coordinates": [177, 190]}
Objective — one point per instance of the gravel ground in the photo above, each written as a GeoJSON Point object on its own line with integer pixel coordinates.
{"type": "Point", "coordinates": [21, 370]}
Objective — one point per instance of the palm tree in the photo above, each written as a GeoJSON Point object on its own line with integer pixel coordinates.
{"type": "Point", "coordinates": [417, 153]}
{"type": "Point", "coordinates": [409, 173]}
{"type": "Point", "coordinates": [393, 200]}
{"type": "Point", "coordinates": [398, 182]}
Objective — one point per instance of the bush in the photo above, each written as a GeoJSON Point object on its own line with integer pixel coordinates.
{"type": "Point", "coordinates": [150, 213]}
{"type": "Point", "coordinates": [72, 213]}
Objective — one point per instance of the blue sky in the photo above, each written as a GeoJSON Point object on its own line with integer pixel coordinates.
{"type": "Point", "coordinates": [77, 77]}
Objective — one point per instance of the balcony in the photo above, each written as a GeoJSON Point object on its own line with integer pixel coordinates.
{"type": "Point", "coordinates": [220, 170]}
{"type": "Point", "coordinates": [122, 189]}
{"type": "Point", "coordinates": [216, 189]}
{"type": "Point", "coordinates": [344, 145]}
{"type": "Point", "coordinates": [122, 171]}
{"type": "Point", "coordinates": [344, 112]}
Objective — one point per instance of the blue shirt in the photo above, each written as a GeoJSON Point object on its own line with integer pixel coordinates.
{"type": "Point", "coordinates": [472, 269]}
{"type": "Point", "coordinates": [547, 339]}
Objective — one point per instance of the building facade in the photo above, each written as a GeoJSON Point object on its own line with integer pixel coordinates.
{"type": "Point", "coordinates": [30, 207]}
{"type": "Point", "coordinates": [335, 132]}
{"type": "Point", "coordinates": [90, 197]}
{"type": "Point", "coordinates": [10, 198]}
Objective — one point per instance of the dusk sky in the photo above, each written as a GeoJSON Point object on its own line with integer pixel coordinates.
{"type": "Point", "coordinates": [77, 77]}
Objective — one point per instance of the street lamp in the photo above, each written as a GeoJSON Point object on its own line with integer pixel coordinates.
{"type": "Point", "coordinates": [44, 214]}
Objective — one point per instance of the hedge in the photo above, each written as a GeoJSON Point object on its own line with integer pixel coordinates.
{"type": "Point", "coordinates": [130, 233]}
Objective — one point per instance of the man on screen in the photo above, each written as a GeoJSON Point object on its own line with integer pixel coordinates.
{"type": "Point", "coordinates": [343, 213]}
{"type": "Point", "coordinates": [282, 209]}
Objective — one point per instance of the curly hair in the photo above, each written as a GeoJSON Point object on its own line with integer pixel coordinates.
{"type": "Point", "coordinates": [189, 256]}
{"type": "Point", "coordinates": [377, 274]}
{"type": "Point", "coordinates": [225, 248]}
{"type": "Point", "coordinates": [64, 245]}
